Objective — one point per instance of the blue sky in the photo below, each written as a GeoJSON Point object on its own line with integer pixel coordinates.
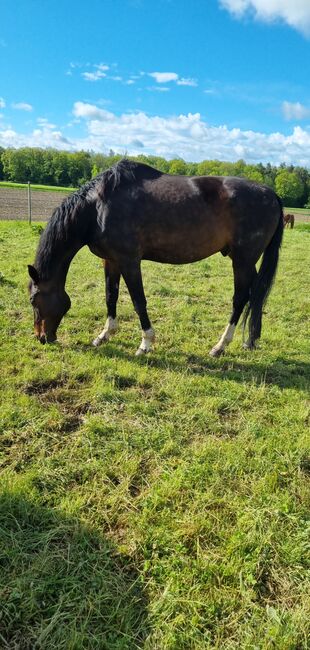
{"type": "Point", "coordinates": [205, 79]}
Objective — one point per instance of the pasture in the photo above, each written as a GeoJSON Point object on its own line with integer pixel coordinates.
{"type": "Point", "coordinates": [158, 503]}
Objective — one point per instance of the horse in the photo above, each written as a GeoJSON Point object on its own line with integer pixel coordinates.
{"type": "Point", "coordinates": [132, 212]}
{"type": "Point", "coordinates": [289, 220]}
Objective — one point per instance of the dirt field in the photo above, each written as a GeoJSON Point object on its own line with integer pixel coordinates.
{"type": "Point", "coordinates": [14, 204]}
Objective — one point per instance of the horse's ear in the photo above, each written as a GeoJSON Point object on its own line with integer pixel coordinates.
{"type": "Point", "coordinates": [33, 274]}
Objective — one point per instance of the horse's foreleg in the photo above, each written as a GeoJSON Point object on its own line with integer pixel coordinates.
{"type": "Point", "coordinates": [244, 276]}
{"type": "Point", "coordinates": [112, 279]}
{"type": "Point", "coordinates": [131, 272]}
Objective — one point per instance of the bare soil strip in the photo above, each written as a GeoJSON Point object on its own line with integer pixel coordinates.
{"type": "Point", "coordinates": [14, 203]}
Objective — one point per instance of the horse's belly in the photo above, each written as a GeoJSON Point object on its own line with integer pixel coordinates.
{"type": "Point", "coordinates": [184, 254]}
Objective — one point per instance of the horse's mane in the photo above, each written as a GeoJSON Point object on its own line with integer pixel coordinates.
{"type": "Point", "coordinates": [63, 222]}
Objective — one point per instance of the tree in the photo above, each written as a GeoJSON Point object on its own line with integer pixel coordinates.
{"type": "Point", "coordinates": [94, 171]}
{"type": "Point", "coordinates": [304, 176]}
{"type": "Point", "coordinates": [191, 169]}
{"type": "Point", "coordinates": [208, 168]}
{"type": "Point", "coordinates": [14, 165]}
{"type": "Point", "coordinates": [79, 167]}
{"type": "Point", "coordinates": [154, 161]}
{"type": "Point", "coordinates": [289, 187]}
{"type": "Point", "coordinates": [177, 166]}
{"type": "Point", "coordinates": [61, 167]}
{"type": "Point", "coordinates": [53, 167]}
{"type": "Point", "coordinates": [48, 171]}
{"type": "Point", "coordinates": [1, 164]}
{"type": "Point", "coordinates": [253, 174]}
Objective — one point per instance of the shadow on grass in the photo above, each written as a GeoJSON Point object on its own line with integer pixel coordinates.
{"type": "Point", "coordinates": [282, 371]}
{"type": "Point", "coordinates": [62, 585]}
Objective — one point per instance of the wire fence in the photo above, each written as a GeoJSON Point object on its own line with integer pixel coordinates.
{"type": "Point", "coordinates": [25, 204]}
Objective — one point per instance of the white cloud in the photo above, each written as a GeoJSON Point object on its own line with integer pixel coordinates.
{"type": "Point", "coordinates": [99, 73]}
{"type": "Point", "coordinates": [295, 13]}
{"type": "Point", "coordinates": [2, 102]}
{"type": "Point", "coordinates": [164, 77]}
{"type": "Point", "coordinates": [22, 106]}
{"type": "Point", "coordinates": [43, 122]}
{"type": "Point", "coordinates": [93, 76]}
{"type": "Point", "coordinates": [43, 137]}
{"type": "Point", "coordinates": [295, 111]}
{"type": "Point", "coordinates": [158, 89]}
{"type": "Point", "coordinates": [90, 111]}
{"type": "Point", "coordinates": [186, 82]}
{"type": "Point", "coordinates": [187, 136]}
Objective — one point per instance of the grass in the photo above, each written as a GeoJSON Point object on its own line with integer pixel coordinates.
{"type": "Point", "coordinates": [305, 211]}
{"type": "Point", "coordinates": [45, 188]}
{"type": "Point", "coordinates": [157, 503]}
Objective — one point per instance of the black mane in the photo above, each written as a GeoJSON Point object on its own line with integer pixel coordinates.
{"type": "Point", "coordinates": [64, 223]}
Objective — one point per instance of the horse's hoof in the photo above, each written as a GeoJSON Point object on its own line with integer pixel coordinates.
{"type": "Point", "coordinates": [141, 352]}
{"type": "Point", "coordinates": [216, 352]}
{"type": "Point", "coordinates": [97, 342]}
{"type": "Point", "coordinates": [247, 345]}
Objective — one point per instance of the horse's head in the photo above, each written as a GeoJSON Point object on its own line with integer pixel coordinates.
{"type": "Point", "coordinates": [50, 303]}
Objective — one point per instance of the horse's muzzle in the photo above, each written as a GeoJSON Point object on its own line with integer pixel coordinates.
{"type": "Point", "coordinates": [46, 338]}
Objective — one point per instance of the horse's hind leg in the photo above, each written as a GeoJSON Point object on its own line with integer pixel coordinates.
{"type": "Point", "coordinates": [131, 272]}
{"type": "Point", "coordinates": [244, 275]}
{"type": "Point", "coordinates": [112, 280]}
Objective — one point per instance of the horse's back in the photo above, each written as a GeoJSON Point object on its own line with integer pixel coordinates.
{"type": "Point", "coordinates": [180, 219]}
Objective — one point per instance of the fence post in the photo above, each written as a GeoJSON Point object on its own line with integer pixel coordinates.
{"type": "Point", "coordinates": [29, 203]}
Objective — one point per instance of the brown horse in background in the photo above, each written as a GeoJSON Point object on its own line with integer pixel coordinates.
{"type": "Point", "coordinates": [133, 212]}
{"type": "Point", "coordinates": [289, 219]}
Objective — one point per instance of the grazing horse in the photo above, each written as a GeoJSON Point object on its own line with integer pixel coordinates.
{"type": "Point", "coordinates": [133, 212]}
{"type": "Point", "coordinates": [289, 220]}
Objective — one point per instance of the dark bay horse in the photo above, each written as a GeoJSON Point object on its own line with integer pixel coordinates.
{"type": "Point", "coordinates": [133, 212]}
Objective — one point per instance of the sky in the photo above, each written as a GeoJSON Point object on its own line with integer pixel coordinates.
{"type": "Point", "coordinates": [191, 79]}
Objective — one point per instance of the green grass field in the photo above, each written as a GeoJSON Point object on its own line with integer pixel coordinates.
{"type": "Point", "coordinates": [46, 188]}
{"type": "Point", "coordinates": [156, 503]}
{"type": "Point", "coordinates": [301, 211]}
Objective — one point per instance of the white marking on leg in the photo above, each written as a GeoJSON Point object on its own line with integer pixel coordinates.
{"type": "Point", "coordinates": [148, 337]}
{"type": "Point", "coordinates": [249, 345]}
{"type": "Point", "coordinates": [110, 328]}
{"type": "Point", "coordinates": [225, 339]}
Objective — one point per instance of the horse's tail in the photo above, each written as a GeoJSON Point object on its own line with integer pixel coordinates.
{"type": "Point", "coordinates": [263, 282]}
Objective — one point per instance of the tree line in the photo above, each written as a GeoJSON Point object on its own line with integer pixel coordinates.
{"type": "Point", "coordinates": [72, 169]}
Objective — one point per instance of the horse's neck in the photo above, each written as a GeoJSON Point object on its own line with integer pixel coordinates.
{"type": "Point", "coordinates": [61, 269]}
{"type": "Point", "coordinates": [58, 250]}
